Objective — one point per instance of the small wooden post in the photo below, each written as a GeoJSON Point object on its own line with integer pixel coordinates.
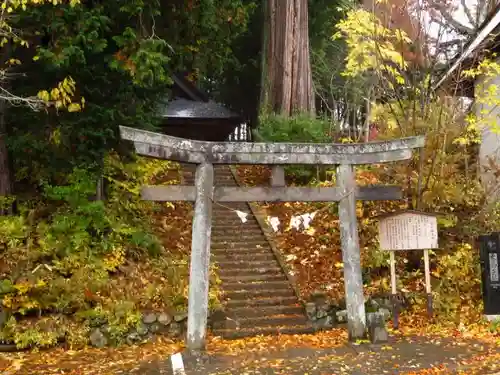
{"type": "Point", "coordinates": [428, 283]}
{"type": "Point", "coordinates": [200, 258]}
{"type": "Point", "coordinates": [394, 291]}
{"type": "Point", "coordinates": [353, 281]}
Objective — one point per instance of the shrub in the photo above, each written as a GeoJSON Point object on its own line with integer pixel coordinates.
{"type": "Point", "coordinates": [299, 129]}
{"type": "Point", "coordinates": [61, 256]}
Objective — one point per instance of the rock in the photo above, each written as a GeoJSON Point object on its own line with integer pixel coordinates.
{"type": "Point", "coordinates": [133, 338]}
{"type": "Point", "coordinates": [175, 329]}
{"type": "Point", "coordinates": [98, 339]}
{"type": "Point", "coordinates": [104, 328]}
{"type": "Point", "coordinates": [142, 329]}
{"type": "Point", "coordinates": [323, 323]}
{"type": "Point", "coordinates": [311, 310]}
{"type": "Point", "coordinates": [149, 318]}
{"type": "Point", "coordinates": [164, 319]}
{"type": "Point", "coordinates": [231, 324]}
{"type": "Point", "coordinates": [386, 313]}
{"type": "Point", "coordinates": [218, 319]}
{"type": "Point", "coordinates": [374, 303]}
{"type": "Point", "coordinates": [155, 327]}
{"type": "Point", "coordinates": [376, 328]}
{"type": "Point", "coordinates": [180, 317]}
{"type": "Point", "coordinates": [341, 316]}
{"type": "Point", "coordinates": [322, 310]}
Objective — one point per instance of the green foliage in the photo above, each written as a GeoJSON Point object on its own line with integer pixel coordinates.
{"type": "Point", "coordinates": [65, 260]}
{"type": "Point", "coordinates": [372, 47]}
{"type": "Point", "coordinates": [42, 334]}
{"type": "Point", "coordinates": [120, 317]}
{"type": "Point", "coordinates": [300, 128]}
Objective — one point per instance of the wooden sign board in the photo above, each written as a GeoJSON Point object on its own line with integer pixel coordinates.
{"type": "Point", "coordinates": [410, 230]}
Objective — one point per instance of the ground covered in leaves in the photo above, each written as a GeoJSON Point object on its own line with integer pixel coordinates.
{"type": "Point", "coordinates": [449, 352]}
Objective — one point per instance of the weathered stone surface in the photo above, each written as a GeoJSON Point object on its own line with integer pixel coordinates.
{"type": "Point", "coordinates": [377, 331]}
{"type": "Point", "coordinates": [133, 338]}
{"type": "Point", "coordinates": [218, 319]}
{"type": "Point", "coordinates": [142, 329]}
{"type": "Point", "coordinates": [311, 310]}
{"type": "Point", "coordinates": [164, 319]}
{"type": "Point", "coordinates": [104, 328]}
{"type": "Point", "coordinates": [175, 329]}
{"type": "Point", "coordinates": [231, 323]}
{"type": "Point", "coordinates": [180, 317]}
{"type": "Point", "coordinates": [386, 313]}
{"type": "Point", "coordinates": [349, 238]}
{"type": "Point", "coordinates": [149, 318]}
{"type": "Point", "coordinates": [155, 327]}
{"type": "Point", "coordinates": [98, 339]}
{"type": "Point", "coordinates": [189, 151]}
{"type": "Point", "coordinates": [325, 323]}
{"type": "Point", "coordinates": [322, 310]}
{"type": "Point", "coordinates": [341, 316]}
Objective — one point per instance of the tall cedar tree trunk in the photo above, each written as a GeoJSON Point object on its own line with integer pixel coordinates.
{"type": "Point", "coordinates": [286, 72]}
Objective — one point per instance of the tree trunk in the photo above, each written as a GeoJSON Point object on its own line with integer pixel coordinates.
{"type": "Point", "coordinates": [5, 175]}
{"type": "Point", "coordinates": [287, 79]}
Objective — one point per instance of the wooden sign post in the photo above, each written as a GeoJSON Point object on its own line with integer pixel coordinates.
{"type": "Point", "coordinates": [408, 230]}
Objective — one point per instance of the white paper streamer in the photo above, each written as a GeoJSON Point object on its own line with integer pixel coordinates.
{"type": "Point", "coordinates": [274, 222]}
{"type": "Point", "coordinates": [177, 364]}
{"type": "Point", "coordinates": [242, 215]}
{"type": "Point", "coordinates": [302, 220]}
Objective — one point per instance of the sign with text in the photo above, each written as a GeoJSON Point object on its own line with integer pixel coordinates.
{"type": "Point", "coordinates": [408, 231]}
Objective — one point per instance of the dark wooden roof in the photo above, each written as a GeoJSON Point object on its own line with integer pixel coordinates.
{"type": "Point", "coordinates": [191, 114]}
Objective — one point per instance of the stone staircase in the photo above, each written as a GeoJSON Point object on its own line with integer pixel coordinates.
{"type": "Point", "coordinates": [257, 296]}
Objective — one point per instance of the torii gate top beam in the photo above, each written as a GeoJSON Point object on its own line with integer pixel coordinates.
{"type": "Point", "coordinates": [188, 151]}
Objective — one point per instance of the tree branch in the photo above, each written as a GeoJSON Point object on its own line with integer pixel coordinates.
{"type": "Point", "coordinates": [468, 14]}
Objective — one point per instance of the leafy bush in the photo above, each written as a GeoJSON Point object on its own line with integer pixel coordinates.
{"type": "Point", "coordinates": [459, 282]}
{"type": "Point", "coordinates": [72, 256]}
{"type": "Point", "coordinates": [299, 129]}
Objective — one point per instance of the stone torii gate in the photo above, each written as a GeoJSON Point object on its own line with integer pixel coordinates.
{"type": "Point", "coordinates": [206, 154]}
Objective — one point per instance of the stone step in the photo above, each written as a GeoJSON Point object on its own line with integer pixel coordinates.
{"type": "Point", "coordinates": [216, 233]}
{"type": "Point", "coordinates": [253, 278]}
{"type": "Point", "coordinates": [263, 285]}
{"type": "Point", "coordinates": [231, 256]}
{"type": "Point", "coordinates": [236, 252]}
{"type": "Point", "coordinates": [231, 218]}
{"type": "Point", "coordinates": [250, 244]}
{"type": "Point", "coordinates": [254, 312]}
{"type": "Point", "coordinates": [249, 227]}
{"type": "Point", "coordinates": [273, 321]}
{"type": "Point", "coordinates": [233, 223]}
{"type": "Point", "coordinates": [262, 302]}
{"type": "Point", "coordinates": [258, 293]}
{"type": "Point", "coordinates": [250, 272]}
{"type": "Point", "coordinates": [237, 235]}
{"type": "Point", "coordinates": [247, 265]}
{"type": "Point", "coordinates": [264, 331]}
